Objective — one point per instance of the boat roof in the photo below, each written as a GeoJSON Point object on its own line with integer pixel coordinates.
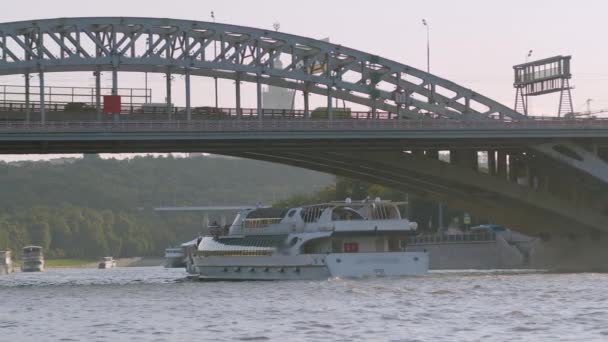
{"type": "Point", "coordinates": [32, 247]}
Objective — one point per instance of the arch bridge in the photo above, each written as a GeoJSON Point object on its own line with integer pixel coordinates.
{"type": "Point", "coordinates": [538, 176]}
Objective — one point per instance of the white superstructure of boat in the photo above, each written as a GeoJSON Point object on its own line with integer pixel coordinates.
{"type": "Point", "coordinates": [106, 262]}
{"type": "Point", "coordinates": [32, 259]}
{"type": "Point", "coordinates": [338, 239]}
{"type": "Point", "coordinates": [6, 262]}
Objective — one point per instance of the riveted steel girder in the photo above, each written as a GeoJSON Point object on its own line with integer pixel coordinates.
{"type": "Point", "coordinates": [155, 45]}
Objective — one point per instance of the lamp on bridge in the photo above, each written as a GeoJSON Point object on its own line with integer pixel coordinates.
{"type": "Point", "coordinates": [428, 46]}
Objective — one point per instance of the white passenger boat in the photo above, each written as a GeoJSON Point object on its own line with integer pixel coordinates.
{"type": "Point", "coordinates": [32, 259]}
{"type": "Point", "coordinates": [106, 262]}
{"type": "Point", "coordinates": [339, 239]}
{"type": "Point", "coordinates": [6, 262]}
{"type": "Point", "coordinates": [175, 258]}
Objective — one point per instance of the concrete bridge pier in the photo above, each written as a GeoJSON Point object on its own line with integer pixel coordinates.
{"type": "Point", "coordinates": [433, 154]}
{"type": "Point", "coordinates": [491, 163]}
{"type": "Point", "coordinates": [572, 254]}
{"type": "Point", "coordinates": [465, 158]}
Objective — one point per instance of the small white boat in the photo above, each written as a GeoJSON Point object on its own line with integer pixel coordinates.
{"type": "Point", "coordinates": [175, 258]}
{"type": "Point", "coordinates": [107, 262]}
{"type": "Point", "coordinates": [338, 239]}
{"type": "Point", "coordinates": [32, 259]}
{"type": "Point", "coordinates": [6, 262]}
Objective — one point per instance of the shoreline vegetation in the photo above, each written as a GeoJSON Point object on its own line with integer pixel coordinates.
{"type": "Point", "coordinates": [87, 208]}
{"type": "Point", "coordinates": [88, 263]}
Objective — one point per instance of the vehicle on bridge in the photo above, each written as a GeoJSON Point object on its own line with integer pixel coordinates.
{"type": "Point", "coordinates": [338, 239]}
{"type": "Point", "coordinates": [32, 259]}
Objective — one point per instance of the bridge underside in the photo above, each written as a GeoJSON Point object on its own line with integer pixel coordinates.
{"type": "Point", "coordinates": [523, 183]}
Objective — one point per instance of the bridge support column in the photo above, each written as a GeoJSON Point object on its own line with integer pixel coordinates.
{"type": "Point", "coordinates": [258, 87]}
{"type": "Point", "coordinates": [492, 163]}
{"type": "Point", "coordinates": [238, 97]}
{"type": "Point", "coordinates": [188, 104]}
{"type": "Point", "coordinates": [374, 111]}
{"type": "Point", "coordinates": [515, 167]}
{"type": "Point", "coordinates": [98, 94]}
{"type": "Point", "coordinates": [42, 96]}
{"type": "Point", "coordinates": [168, 96]}
{"type": "Point", "coordinates": [114, 81]}
{"type": "Point", "coordinates": [465, 158]}
{"type": "Point", "coordinates": [27, 97]}
{"type": "Point", "coordinates": [330, 114]}
{"type": "Point", "coordinates": [501, 164]}
{"type": "Point", "coordinates": [115, 88]}
{"type": "Point", "coordinates": [433, 154]}
{"type": "Point", "coordinates": [306, 104]}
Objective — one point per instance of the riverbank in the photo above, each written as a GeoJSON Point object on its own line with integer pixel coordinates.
{"type": "Point", "coordinates": [87, 263]}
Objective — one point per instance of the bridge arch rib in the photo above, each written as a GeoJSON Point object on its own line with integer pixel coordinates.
{"type": "Point", "coordinates": [243, 54]}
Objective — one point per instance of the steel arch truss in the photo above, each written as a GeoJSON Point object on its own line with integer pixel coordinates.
{"type": "Point", "coordinates": [239, 53]}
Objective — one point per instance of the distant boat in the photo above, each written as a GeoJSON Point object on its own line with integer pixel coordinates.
{"type": "Point", "coordinates": [107, 262]}
{"type": "Point", "coordinates": [33, 260]}
{"type": "Point", "coordinates": [175, 257]}
{"type": "Point", "coordinates": [6, 262]}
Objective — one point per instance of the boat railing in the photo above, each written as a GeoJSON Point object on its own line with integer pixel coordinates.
{"type": "Point", "coordinates": [453, 238]}
{"type": "Point", "coordinates": [260, 222]}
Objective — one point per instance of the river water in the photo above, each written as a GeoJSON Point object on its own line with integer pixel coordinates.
{"type": "Point", "coordinates": [156, 304]}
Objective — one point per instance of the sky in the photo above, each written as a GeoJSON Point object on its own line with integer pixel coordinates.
{"type": "Point", "coordinates": [474, 43]}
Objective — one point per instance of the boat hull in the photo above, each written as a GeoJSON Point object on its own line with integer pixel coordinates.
{"type": "Point", "coordinates": [175, 262]}
{"type": "Point", "coordinates": [32, 267]}
{"type": "Point", "coordinates": [312, 266]}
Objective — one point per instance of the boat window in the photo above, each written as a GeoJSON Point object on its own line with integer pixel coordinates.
{"type": "Point", "coordinates": [291, 213]}
{"type": "Point", "coordinates": [260, 223]}
{"type": "Point", "coordinates": [351, 247]}
{"type": "Point", "coordinates": [312, 214]}
{"type": "Point", "coordinates": [345, 214]}
{"type": "Point", "coordinates": [383, 211]}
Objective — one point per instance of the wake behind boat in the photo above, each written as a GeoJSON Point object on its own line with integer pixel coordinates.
{"type": "Point", "coordinates": [338, 239]}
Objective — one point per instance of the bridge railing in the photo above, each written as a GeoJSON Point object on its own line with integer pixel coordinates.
{"type": "Point", "coordinates": [159, 111]}
{"type": "Point", "coordinates": [299, 125]}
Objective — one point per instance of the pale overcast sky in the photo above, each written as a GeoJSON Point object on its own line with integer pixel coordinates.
{"type": "Point", "coordinates": [473, 42]}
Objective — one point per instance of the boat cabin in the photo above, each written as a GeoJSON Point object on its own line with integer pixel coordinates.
{"type": "Point", "coordinates": [337, 227]}
{"type": "Point", "coordinates": [32, 251]}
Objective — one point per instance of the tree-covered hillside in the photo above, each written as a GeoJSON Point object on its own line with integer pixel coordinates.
{"type": "Point", "coordinates": [95, 207]}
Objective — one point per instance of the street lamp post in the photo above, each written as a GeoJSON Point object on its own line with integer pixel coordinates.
{"type": "Point", "coordinates": [529, 55]}
{"type": "Point", "coordinates": [428, 45]}
{"type": "Point", "coordinates": [428, 70]}
{"type": "Point", "coordinates": [215, 57]}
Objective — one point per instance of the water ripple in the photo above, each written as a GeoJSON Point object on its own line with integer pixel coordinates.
{"type": "Point", "coordinates": [154, 304]}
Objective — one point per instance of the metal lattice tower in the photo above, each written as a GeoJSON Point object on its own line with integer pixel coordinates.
{"type": "Point", "coordinates": [545, 76]}
{"type": "Point", "coordinates": [565, 99]}
{"type": "Point", "coordinates": [521, 103]}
